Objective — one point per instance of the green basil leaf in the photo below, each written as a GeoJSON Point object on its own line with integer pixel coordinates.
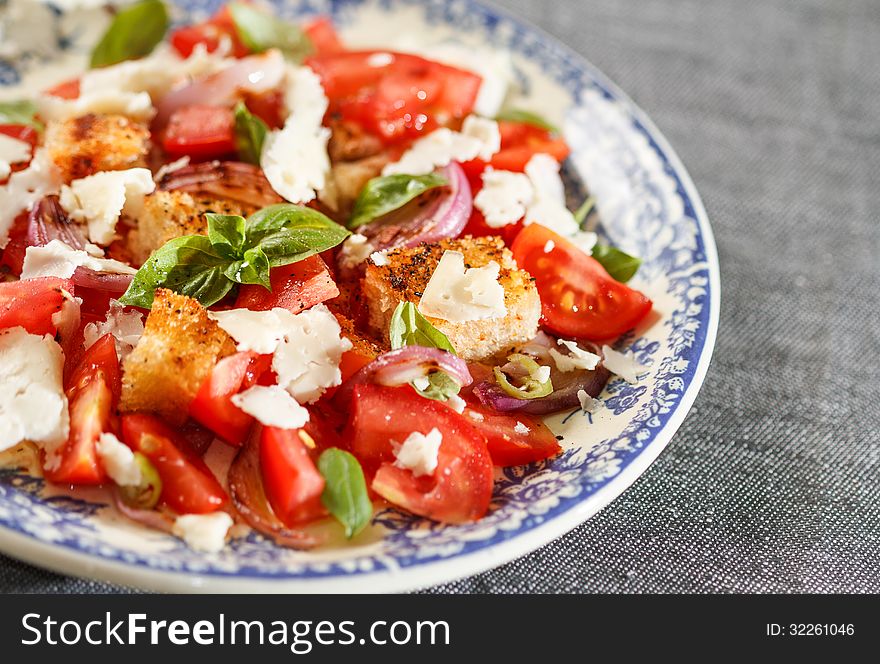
{"type": "Point", "coordinates": [133, 33]}
{"type": "Point", "coordinates": [260, 31]}
{"type": "Point", "coordinates": [345, 490]}
{"type": "Point", "coordinates": [620, 265]}
{"type": "Point", "coordinates": [289, 233]}
{"type": "Point", "coordinates": [226, 230]}
{"type": "Point", "coordinates": [387, 193]}
{"type": "Point", "coordinates": [409, 328]}
{"type": "Point", "coordinates": [527, 117]}
{"type": "Point", "coordinates": [252, 268]}
{"type": "Point", "coordinates": [188, 265]}
{"type": "Point", "coordinates": [440, 387]}
{"type": "Point", "coordinates": [250, 134]}
{"type": "Point", "coordinates": [22, 112]}
{"type": "Point", "coordinates": [584, 211]}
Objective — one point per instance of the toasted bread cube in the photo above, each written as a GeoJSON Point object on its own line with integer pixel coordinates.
{"type": "Point", "coordinates": [345, 181]}
{"type": "Point", "coordinates": [170, 214]}
{"type": "Point", "coordinates": [175, 355]}
{"type": "Point", "coordinates": [407, 272]}
{"type": "Point", "coordinates": [92, 143]}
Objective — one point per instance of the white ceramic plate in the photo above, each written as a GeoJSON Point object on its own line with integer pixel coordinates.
{"type": "Point", "coordinates": [648, 206]}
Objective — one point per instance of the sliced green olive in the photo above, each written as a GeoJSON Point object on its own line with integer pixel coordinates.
{"type": "Point", "coordinates": [532, 387]}
{"type": "Point", "coordinates": [146, 494]}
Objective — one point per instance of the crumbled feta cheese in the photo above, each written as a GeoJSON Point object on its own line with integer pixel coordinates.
{"type": "Point", "coordinates": [504, 197]}
{"type": "Point", "coordinates": [203, 532]}
{"type": "Point", "coordinates": [418, 452]}
{"type": "Point", "coordinates": [588, 403]}
{"type": "Point", "coordinates": [259, 331]}
{"type": "Point", "coordinates": [478, 137]}
{"type": "Point", "coordinates": [622, 364]}
{"type": "Point", "coordinates": [422, 383]}
{"type": "Point", "coordinates": [304, 96]}
{"type": "Point", "coordinates": [134, 105]}
{"type": "Point", "coordinates": [456, 403]}
{"type": "Point", "coordinates": [355, 250]}
{"type": "Point", "coordinates": [58, 259]}
{"type": "Point", "coordinates": [541, 374]}
{"type": "Point", "coordinates": [127, 327]}
{"type": "Point", "coordinates": [25, 188]}
{"type": "Point", "coordinates": [12, 151]}
{"type": "Point", "coordinates": [521, 428]}
{"type": "Point", "coordinates": [457, 294]}
{"type": "Point", "coordinates": [548, 205]}
{"type": "Point", "coordinates": [577, 357]}
{"type": "Point", "coordinates": [272, 406]}
{"type": "Point", "coordinates": [585, 241]}
{"type": "Point", "coordinates": [99, 199]}
{"type": "Point", "coordinates": [118, 460]}
{"type": "Point", "coordinates": [33, 405]}
{"type": "Point", "coordinates": [549, 246]}
{"type": "Point", "coordinates": [474, 415]}
{"type": "Point", "coordinates": [379, 258]}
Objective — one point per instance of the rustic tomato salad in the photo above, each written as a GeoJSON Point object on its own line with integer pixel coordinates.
{"type": "Point", "coordinates": [355, 269]}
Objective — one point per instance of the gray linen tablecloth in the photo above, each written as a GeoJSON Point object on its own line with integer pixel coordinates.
{"type": "Point", "coordinates": [772, 482]}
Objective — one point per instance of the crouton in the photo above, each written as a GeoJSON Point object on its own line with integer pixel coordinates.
{"type": "Point", "coordinates": [408, 271]}
{"type": "Point", "coordinates": [345, 181]}
{"type": "Point", "coordinates": [175, 355]}
{"type": "Point", "coordinates": [349, 142]}
{"type": "Point", "coordinates": [91, 143]}
{"type": "Point", "coordinates": [170, 214]}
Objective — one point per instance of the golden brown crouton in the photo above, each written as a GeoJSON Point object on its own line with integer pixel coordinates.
{"type": "Point", "coordinates": [175, 355]}
{"type": "Point", "coordinates": [91, 143]}
{"type": "Point", "coordinates": [408, 271]}
{"type": "Point", "coordinates": [349, 142]}
{"type": "Point", "coordinates": [345, 181]}
{"type": "Point", "coordinates": [170, 214]}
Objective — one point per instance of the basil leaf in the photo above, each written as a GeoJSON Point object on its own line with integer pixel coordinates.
{"type": "Point", "coordinates": [250, 134]}
{"type": "Point", "coordinates": [584, 211]}
{"type": "Point", "coordinates": [252, 268]}
{"type": "Point", "coordinates": [226, 230]}
{"type": "Point", "coordinates": [260, 31]}
{"type": "Point", "coordinates": [620, 265]}
{"type": "Point", "coordinates": [527, 117]}
{"type": "Point", "coordinates": [409, 328]}
{"type": "Point", "coordinates": [188, 265]}
{"type": "Point", "coordinates": [345, 490]}
{"type": "Point", "coordinates": [289, 233]}
{"type": "Point", "coordinates": [133, 33]}
{"type": "Point", "coordinates": [440, 387]}
{"type": "Point", "coordinates": [22, 112]}
{"type": "Point", "coordinates": [385, 194]}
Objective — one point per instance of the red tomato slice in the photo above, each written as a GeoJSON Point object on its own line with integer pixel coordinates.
{"type": "Point", "coordinates": [188, 486]}
{"type": "Point", "coordinates": [521, 141]}
{"type": "Point", "coordinates": [292, 482]}
{"type": "Point", "coordinates": [209, 33]}
{"type": "Point", "coordinates": [268, 106]}
{"type": "Point", "coordinates": [578, 297]}
{"type": "Point", "coordinates": [395, 96]}
{"type": "Point", "coordinates": [213, 407]}
{"type": "Point", "coordinates": [200, 132]}
{"type": "Point", "coordinates": [460, 488]}
{"type": "Point", "coordinates": [31, 303]}
{"type": "Point", "coordinates": [65, 89]}
{"type": "Point", "coordinates": [20, 133]}
{"type": "Point", "coordinates": [93, 392]}
{"type": "Point", "coordinates": [296, 287]}
{"type": "Point", "coordinates": [323, 36]}
{"type": "Point", "coordinates": [508, 441]}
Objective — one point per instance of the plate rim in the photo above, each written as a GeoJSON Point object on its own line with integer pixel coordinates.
{"type": "Point", "coordinates": [69, 561]}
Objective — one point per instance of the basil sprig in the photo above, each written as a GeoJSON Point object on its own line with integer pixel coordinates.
{"type": "Point", "coordinates": [387, 193]}
{"type": "Point", "coordinates": [345, 490]}
{"type": "Point", "coordinates": [250, 134]}
{"type": "Point", "coordinates": [527, 117]}
{"type": "Point", "coordinates": [235, 251]}
{"type": "Point", "coordinates": [620, 265]}
{"type": "Point", "coordinates": [22, 112]}
{"type": "Point", "coordinates": [133, 33]}
{"type": "Point", "coordinates": [260, 31]}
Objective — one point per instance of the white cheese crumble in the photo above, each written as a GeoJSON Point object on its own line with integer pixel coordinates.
{"type": "Point", "coordinates": [418, 453]}
{"type": "Point", "coordinates": [379, 258]}
{"type": "Point", "coordinates": [548, 205]}
{"type": "Point", "coordinates": [474, 415]}
{"type": "Point", "coordinates": [456, 403]}
{"type": "Point", "coordinates": [422, 383]}
{"type": "Point", "coordinates": [541, 374]}
{"type": "Point", "coordinates": [478, 137]}
{"type": "Point", "coordinates": [135, 105]}
{"type": "Point", "coordinates": [588, 403]}
{"type": "Point", "coordinates": [272, 406]}
{"type": "Point", "coordinates": [127, 327]}
{"type": "Point", "coordinates": [25, 188]}
{"type": "Point", "coordinates": [118, 460]}
{"type": "Point", "coordinates": [521, 428]}
{"type": "Point", "coordinates": [203, 532]}
{"type": "Point", "coordinates": [12, 151]}
{"type": "Point", "coordinates": [622, 364]}
{"type": "Point", "coordinates": [458, 294]}
{"type": "Point", "coordinates": [58, 259]}
{"type": "Point", "coordinates": [99, 199]}
{"type": "Point", "coordinates": [577, 357]}
{"type": "Point", "coordinates": [304, 96]}
{"type": "Point", "coordinates": [355, 250]}
{"type": "Point", "coordinates": [33, 405]}
{"type": "Point", "coordinates": [259, 331]}
{"type": "Point", "coordinates": [504, 197]}
{"type": "Point", "coordinates": [549, 246]}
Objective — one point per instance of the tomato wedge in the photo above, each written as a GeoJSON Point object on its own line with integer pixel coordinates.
{"type": "Point", "coordinates": [290, 478]}
{"type": "Point", "coordinates": [213, 407]}
{"type": "Point", "coordinates": [92, 392]}
{"type": "Point", "coordinates": [31, 303]}
{"type": "Point", "coordinates": [513, 440]}
{"type": "Point", "coordinates": [325, 40]}
{"type": "Point", "coordinates": [209, 33]}
{"type": "Point", "coordinates": [460, 488]}
{"type": "Point", "coordinates": [578, 297]}
{"type": "Point", "coordinates": [188, 486]}
{"type": "Point", "coordinates": [200, 132]}
{"type": "Point", "coordinates": [296, 287]}
{"type": "Point", "coordinates": [396, 96]}
{"type": "Point", "coordinates": [65, 90]}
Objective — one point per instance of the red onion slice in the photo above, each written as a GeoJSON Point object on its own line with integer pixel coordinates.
{"type": "Point", "coordinates": [48, 221]}
{"type": "Point", "coordinates": [113, 283]}
{"type": "Point", "coordinates": [230, 180]}
{"type": "Point", "coordinates": [149, 518]}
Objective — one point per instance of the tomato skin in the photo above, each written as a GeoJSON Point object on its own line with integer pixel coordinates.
{"type": "Point", "coordinates": [579, 299]}
{"type": "Point", "coordinates": [200, 132]}
{"type": "Point", "coordinates": [21, 133]}
{"type": "Point", "coordinates": [521, 141]}
{"type": "Point", "coordinates": [188, 486]}
{"type": "Point", "coordinates": [31, 303]}
{"type": "Point", "coordinates": [509, 447]}
{"type": "Point", "coordinates": [292, 482]}
{"type": "Point", "coordinates": [323, 36]}
{"type": "Point", "coordinates": [295, 287]}
{"type": "Point", "coordinates": [461, 486]}
{"type": "Point", "coordinates": [65, 90]}
{"type": "Point", "coordinates": [209, 33]}
{"type": "Point", "coordinates": [268, 106]}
